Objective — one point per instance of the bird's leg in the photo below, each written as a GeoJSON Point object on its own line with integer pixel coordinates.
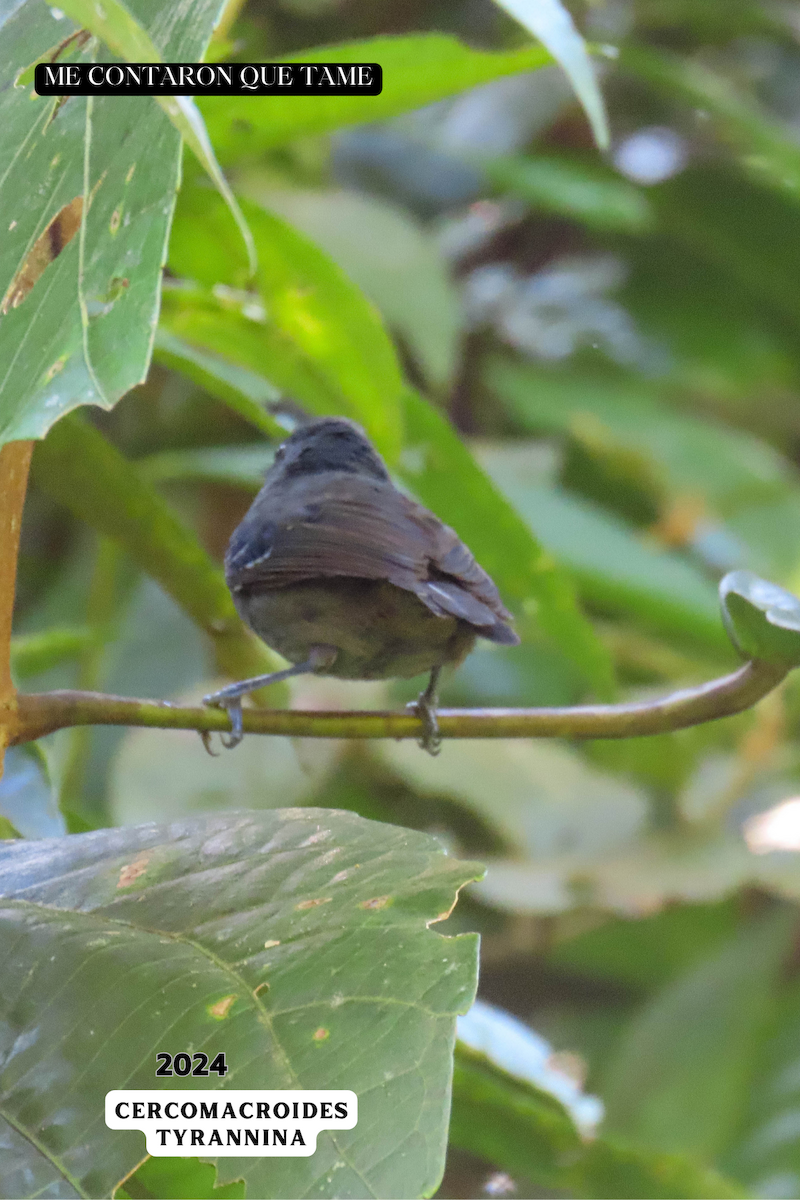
{"type": "Point", "coordinates": [230, 697]}
{"type": "Point", "coordinates": [425, 708]}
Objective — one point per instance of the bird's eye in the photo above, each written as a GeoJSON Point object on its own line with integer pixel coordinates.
{"type": "Point", "coordinates": [280, 453]}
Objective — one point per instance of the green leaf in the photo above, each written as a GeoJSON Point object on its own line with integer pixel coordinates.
{"type": "Point", "coordinates": [186, 118]}
{"type": "Point", "coordinates": [614, 1168]}
{"type": "Point", "coordinates": [551, 23]}
{"type": "Point", "coordinates": [511, 1123]}
{"type": "Point", "coordinates": [765, 1148]}
{"type": "Point", "coordinates": [246, 392]}
{"type": "Point", "coordinates": [520, 1051]}
{"type": "Point", "coordinates": [762, 619]}
{"type": "Point", "coordinates": [118, 28]}
{"type": "Point", "coordinates": [525, 1132]}
{"type": "Point", "coordinates": [750, 232]}
{"type": "Point", "coordinates": [32, 653]}
{"type": "Point", "coordinates": [614, 569]}
{"type": "Point", "coordinates": [680, 1079]}
{"type": "Point", "coordinates": [556, 810]}
{"type": "Point", "coordinates": [528, 577]}
{"type": "Point", "coordinates": [80, 469]}
{"type": "Point", "coordinates": [391, 257]}
{"type": "Point", "coordinates": [731, 469]}
{"type": "Point", "coordinates": [417, 70]}
{"type": "Point", "coordinates": [179, 1179]}
{"type": "Point", "coordinates": [329, 911]}
{"type": "Point", "coordinates": [220, 329]}
{"type": "Point", "coordinates": [109, 166]}
{"type": "Point", "coordinates": [237, 466]}
{"type": "Point", "coordinates": [580, 190]}
{"type": "Point", "coordinates": [316, 334]}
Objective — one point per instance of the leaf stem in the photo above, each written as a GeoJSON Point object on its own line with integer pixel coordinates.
{"type": "Point", "coordinates": [45, 712]}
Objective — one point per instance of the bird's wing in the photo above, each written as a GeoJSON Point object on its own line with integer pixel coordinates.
{"type": "Point", "coordinates": [456, 585]}
{"type": "Point", "coordinates": [364, 529]}
{"type": "Point", "coordinates": [344, 525]}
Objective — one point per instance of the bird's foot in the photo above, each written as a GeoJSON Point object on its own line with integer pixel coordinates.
{"type": "Point", "coordinates": [230, 698]}
{"type": "Point", "coordinates": [233, 707]}
{"type": "Point", "coordinates": [425, 709]}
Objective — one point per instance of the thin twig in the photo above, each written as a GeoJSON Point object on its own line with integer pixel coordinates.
{"type": "Point", "coordinates": [47, 711]}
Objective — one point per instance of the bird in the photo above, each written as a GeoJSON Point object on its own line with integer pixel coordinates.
{"type": "Point", "coordinates": [343, 574]}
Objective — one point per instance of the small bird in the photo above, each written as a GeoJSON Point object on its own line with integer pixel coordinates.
{"type": "Point", "coordinates": [344, 575]}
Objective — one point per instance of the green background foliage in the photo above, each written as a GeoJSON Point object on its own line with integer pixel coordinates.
{"type": "Point", "coordinates": [592, 373]}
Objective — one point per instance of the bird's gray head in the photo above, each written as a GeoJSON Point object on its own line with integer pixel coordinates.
{"type": "Point", "coordinates": [332, 444]}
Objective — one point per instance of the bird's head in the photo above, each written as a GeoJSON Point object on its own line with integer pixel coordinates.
{"type": "Point", "coordinates": [331, 444]}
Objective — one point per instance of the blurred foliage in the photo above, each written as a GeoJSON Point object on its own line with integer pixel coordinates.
{"type": "Point", "coordinates": [589, 364]}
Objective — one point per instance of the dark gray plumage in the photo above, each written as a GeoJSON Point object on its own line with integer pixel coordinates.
{"type": "Point", "coordinates": [342, 573]}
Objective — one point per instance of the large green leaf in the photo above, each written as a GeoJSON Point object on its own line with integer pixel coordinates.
{"type": "Point", "coordinates": [296, 941]}
{"type": "Point", "coordinates": [389, 255]}
{"type": "Point", "coordinates": [417, 70]}
{"type": "Point", "coordinates": [315, 333]}
{"type": "Point", "coordinates": [122, 33]}
{"type": "Point", "coordinates": [680, 1079]}
{"type": "Point", "coordinates": [82, 333]}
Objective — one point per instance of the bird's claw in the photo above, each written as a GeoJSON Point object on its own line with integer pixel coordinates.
{"type": "Point", "coordinates": [425, 709]}
{"type": "Point", "coordinates": [205, 738]}
{"type": "Point", "coordinates": [233, 707]}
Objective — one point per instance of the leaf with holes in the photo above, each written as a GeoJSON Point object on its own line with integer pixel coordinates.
{"type": "Point", "coordinates": [87, 190]}
{"type": "Point", "coordinates": [295, 941]}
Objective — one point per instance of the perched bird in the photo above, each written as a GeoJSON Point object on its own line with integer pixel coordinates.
{"type": "Point", "coordinates": [344, 575]}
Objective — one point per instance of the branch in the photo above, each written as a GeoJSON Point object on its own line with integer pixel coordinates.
{"type": "Point", "coordinates": [47, 711]}
{"type": "Point", "coordinates": [14, 462]}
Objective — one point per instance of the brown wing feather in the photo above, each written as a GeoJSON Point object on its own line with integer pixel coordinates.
{"type": "Point", "coordinates": [345, 525]}
{"type": "Point", "coordinates": [458, 585]}
{"type": "Point", "coordinates": [364, 529]}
